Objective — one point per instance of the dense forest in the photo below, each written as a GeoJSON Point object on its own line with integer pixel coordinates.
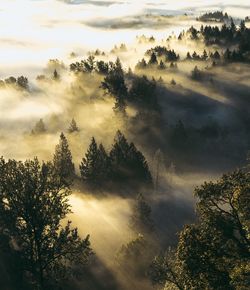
{"type": "Point", "coordinates": [137, 176]}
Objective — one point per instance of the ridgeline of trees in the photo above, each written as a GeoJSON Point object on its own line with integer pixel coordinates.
{"type": "Point", "coordinates": [217, 16]}
{"type": "Point", "coordinates": [227, 35]}
{"type": "Point", "coordinates": [19, 82]}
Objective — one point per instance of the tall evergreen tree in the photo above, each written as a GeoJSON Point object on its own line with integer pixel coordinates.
{"type": "Point", "coordinates": [62, 160]}
{"type": "Point", "coordinates": [128, 164]}
{"type": "Point", "coordinates": [39, 128]}
{"type": "Point", "coordinates": [89, 166]}
{"type": "Point", "coordinates": [95, 166]}
{"type": "Point", "coordinates": [153, 59]}
{"type": "Point", "coordinates": [114, 85]}
{"type": "Point", "coordinates": [73, 126]}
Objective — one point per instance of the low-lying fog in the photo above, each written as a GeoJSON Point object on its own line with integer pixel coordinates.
{"type": "Point", "coordinates": [33, 32]}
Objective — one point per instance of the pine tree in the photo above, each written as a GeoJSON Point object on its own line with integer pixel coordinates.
{"type": "Point", "coordinates": [104, 165]}
{"type": "Point", "coordinates": [73, 127]}
{"type": "Point", "coordinates": [89, 166]}
{"type": "Point", "coordinates": [153, 59]}
{"type": "Point", "coordinates": [188, 56]}
{"type": "Point", "coordinates": [205, 55]}
{"type": "Point", "coordinates": [128, 164]}
{"type": "Point", "coordinates": [63, 163]}
{"type": "Point", "coordinates": [114, 85]}
{"type": "Point", "coordinates": [161, 65]}
{"type": "Point", "coordinates": [39, 128]}
{"type": "Point", "coordinates": [56, 75]}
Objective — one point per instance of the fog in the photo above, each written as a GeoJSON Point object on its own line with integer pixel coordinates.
{"type": "Point", "coordinates": [34, 32]}
{"type": "Point", "coordinates": [87, 24]}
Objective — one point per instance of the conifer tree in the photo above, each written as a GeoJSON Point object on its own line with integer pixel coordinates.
{"type": "Point", "coordinates": [128, 164]}
{"type": "Point", "coordinates": [89, 166]}
{"type": "Point", "coordinates": [73, 126]}
{"type": "Point", "coordinates": [39, 128]}
{"type": "Point", "coordinates": [153, 59]}
{"type": "Point", "coordinates": [62, 161]}
{"type": "Point", "coordinates": [114, 85]}
{"type": "Point", "coordinates": [162, 65]}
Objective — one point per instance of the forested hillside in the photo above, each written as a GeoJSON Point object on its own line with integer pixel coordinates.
{"type": "Point", "coordinates": [129, 168]}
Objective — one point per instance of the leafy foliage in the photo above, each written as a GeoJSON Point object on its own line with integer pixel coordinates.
{"type": "Point", "coordinates": [33, 203]}
{"type": "Point", "coordinates": [214, 254]}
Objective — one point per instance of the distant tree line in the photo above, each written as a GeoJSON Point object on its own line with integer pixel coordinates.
{"type": "Point", "coordinates": [217, 16]}
{"type": "Point", "coordinates": [19, 82]}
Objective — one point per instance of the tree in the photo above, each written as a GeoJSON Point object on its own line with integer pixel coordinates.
{"type": "Point", "coordinates": [214, 253]}
{"type": "Point", "coordinates": [134, 257]}
{"type": "Point", "coordinates": [179, 136]}
{"type": "Point", "coordinates": [62, 161]}
{"type": "Point", "coordinates": [142, 92]}
{"type": "Point", "coordinates": [39, 128]}
{"type": "Point", "coordinates": [127, 163]}
{"type": "Point", "coordinates": [23, 82]}
{"type": "Point", "coordinates": [141, 220]}
{"type": "Point", "coordinates": [173, 82]}
{"type": "Point", "coordinates": [153, 59]}
{"type": "Point", "coordinates": [196, 74]}
{"type": "Point", "coordinates": [95, 166]}
{"type": "Point", "coordinates": [114, 85]}
{"type": "Point", "coordinates": [141, 64]}
{"type": "Point", "coordinates": [102, 67]}
{"type": "Point", "coordinates": [88, 64]}
{"type": "Point", "coordinates": [205, 55]}
{"type": "Point", "coordinates": [10, 81]}
{"type": "Point", "coordinates": [193, 33]}
{"type": "Point", "coordinates": [56, 75]}
{"type": "Point", "coordinates": [89, 166]}
{"type": "Point", "coordinates": [73, 126]}
{"type": "Point", "coordinates": [188, 56]}
{"type": "Point", "coordinates": [33, 203]}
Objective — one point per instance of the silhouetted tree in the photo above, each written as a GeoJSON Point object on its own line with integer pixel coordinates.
{"type": "Point", "coordinates": [153, 59]}
{"type": "Point", "coordinates": [73, 126]}
{"type": "Point", "coordinates": [196, 74]}
{"type": "Point", "coordinates": [114, 85]}
{"type": "Point", "coordinates": [56, 75]}
{"type": "Point", "coordinates": [39, 128]}
{"type": "Point", "coordinates": [128, 164]}
{"type": "Point", "coordinates": [142, 92]}
{"type": "Point", "coordinates": [213, 253]}
{"type": "Point", "coordinates": [33, 204]}
{"type": "Point", "coordinates": [23, 82]}
{"type": "Point", "coordinates": [141, 64]}
{"type": "Point", "coordinates": [95, 167]}
{"type": "Point", "coordinates": [62, 161]}
{"type": "Point", "coordinates": [162, 65]}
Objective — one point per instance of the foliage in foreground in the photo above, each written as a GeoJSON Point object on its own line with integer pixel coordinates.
{"type": "Point", "coordinates": [33, 204]}
{"type": "Point", "coordinates": [214, 253]}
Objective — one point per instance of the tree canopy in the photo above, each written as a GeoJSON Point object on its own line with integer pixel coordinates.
{"type": "Point", "coordinates": [33, 203]}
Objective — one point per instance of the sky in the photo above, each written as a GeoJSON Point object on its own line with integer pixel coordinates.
{"type": "Point", "coordinates": [33, 31]}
